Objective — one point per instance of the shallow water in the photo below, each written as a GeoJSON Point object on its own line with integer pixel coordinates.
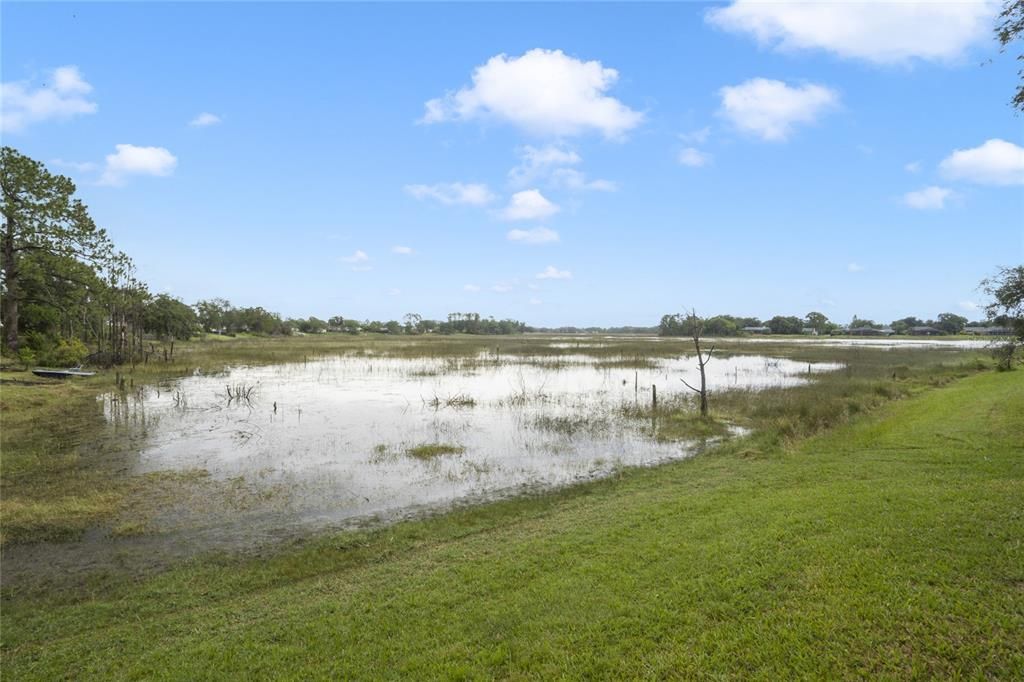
{"type": "Point", "coordinates": [336, 431]}
{"type": "Point", "coordinates": [326, 443]}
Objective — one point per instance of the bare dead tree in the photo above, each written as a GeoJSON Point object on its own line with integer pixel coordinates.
{"type": "Point", "coordinates": [697, 330]}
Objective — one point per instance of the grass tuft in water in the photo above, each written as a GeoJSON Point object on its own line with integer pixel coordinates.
{"type": "Point", "coordinates": [432, 450]}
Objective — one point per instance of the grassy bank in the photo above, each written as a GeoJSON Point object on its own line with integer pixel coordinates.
{"type": "Point", "coordinates": [890, 546]}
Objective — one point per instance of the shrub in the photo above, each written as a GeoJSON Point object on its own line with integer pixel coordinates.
{"type": "Point", "coordinates": [67, 353]}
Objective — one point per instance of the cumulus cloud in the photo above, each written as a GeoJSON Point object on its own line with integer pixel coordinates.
{"type": "Point", "coordinates": [538, 235]}
{"type": "Point", "coordinates": [544, 92]}
{"type": "Point", "coordinates": [471, 288]}
{"type": "Point", "coordinates": [771, 109]}
{"type": "Point", "coordinates": [65, 96]}
{"type": "Point", "coordinates": [205, 119]}
{"type": "Point", "coordinates": [693, 157]}
{"type": "Point", "coordinates": [996, 162]}
{"type": "Point", "coordinates": [854, 267]}
{"type": "Point", "coordinates": [502, 288]}
{"type": "Point", "coordinates": [551, 272]}
{"type": "Point", "coordinates": [879, 32]}
{"type": "Point", "coordinates": [130, 159]}
{"type": "Point", "coordinates": [529, 204]}
{"type": "Point", "coordinates": [913, 167]}
{"type": "Point", "coordinates": [403, 250]}
{"type": "Point", "coordinates": [929, 198]}
{"type": "Point", "coordinates": [535, 301]}
{"type": "Point", "coordinates": [450, 193]}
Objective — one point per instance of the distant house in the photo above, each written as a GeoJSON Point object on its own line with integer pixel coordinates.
{"type": "Point", "coordinates": [810, 331]}
{"type": "Point", "coordinates": [870, 331]}
{"type": "Point", "coordinates": [757, 330]}
{"type": "Point", "coordinates": [925, 331]}
{"type": "Point", "coordinates": [988, 331]}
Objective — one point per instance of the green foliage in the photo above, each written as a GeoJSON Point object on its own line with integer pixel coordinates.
{"type": "Point", "coordinates": [67, 353]}
{"type": "Point", "coordinates": [169, 318]}
{"type": "Point", "coordinates": [27, 357]}
{"type": "Point", "coordinates": [1010, 28]}
{"type": "Point", "coordinates": [785, 325]}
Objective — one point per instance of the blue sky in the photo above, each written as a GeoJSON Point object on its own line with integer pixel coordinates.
{"type": "Point", "coordinates": [557, 163]}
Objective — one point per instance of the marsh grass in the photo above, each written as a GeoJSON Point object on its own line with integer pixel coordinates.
{"type": "Point", "coordinates": [572, 425]}
{"type": "Point", "coordinates": [427, 451]}
{"type": "Point", "coordinates": [62, 469]}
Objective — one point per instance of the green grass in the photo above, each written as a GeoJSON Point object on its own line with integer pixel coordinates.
{"type": "Point", "coordinates": [888, 547]}
{"type": "Point", "coordinates": [432, 450]}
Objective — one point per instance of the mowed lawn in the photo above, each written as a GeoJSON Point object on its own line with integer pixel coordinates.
{"type": "Point", "coordinates": [891, 547]}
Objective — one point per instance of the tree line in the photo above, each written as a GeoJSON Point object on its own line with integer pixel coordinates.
{"type": "Point", "coordinates": [69, 295]}
{"type": "Point", "coordinates": [681, 324]}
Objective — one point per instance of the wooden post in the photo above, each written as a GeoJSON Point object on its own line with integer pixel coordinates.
{"type": "Point", "coordinates": [654, 396]}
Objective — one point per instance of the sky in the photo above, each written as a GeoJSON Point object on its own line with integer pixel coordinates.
{"type": "Point", "coordinates": [561, 164]}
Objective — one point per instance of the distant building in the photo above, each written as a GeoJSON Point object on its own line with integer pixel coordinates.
{"type": "Point", "coordinates": [757, 330]}
{"type": "Point", "coordinates": [925, 331]}
{"type": "Point", "coordinates": [988, 331]}
{"type": "Point", "coordinates": [870, 331]}
{"type": "Point", "coordinates": [810, 331]}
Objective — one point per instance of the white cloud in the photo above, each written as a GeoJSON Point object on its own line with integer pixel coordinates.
{"type": "Point", "coordinates": [130, 159]}
{"type": "Point", "coordinates": [854, 267]}
{"type": "Point", "coordinates": [551, 164]}
{"type": "Point", "coordinates": [969, 306]}
{"type": "Point", "coordinates": [358, 257]}
{"type": "Point", "coordinates": [542, 91]}
{"type": "Point", "coordinates": [471, 287]}
{"type": "Point", "coordinates": [80, 166]}
{"type": "Point", "coordinates": [572, 179]}
{"type": "Point", "coordinates": [551, 272]}
{"type": "Point", "coordinates": [913, 167]}
{"type": "Point", "coordinates": [879, 32]}
{"type": "Point", "coordinates": [771, 109]}
{"type": "Point", "coordinates": [536, 162]}
{"type": "Point", "coordinates": [65, 97]}
{"type": "Point", "coordinates": [529, 204]}
{"type": "Point", "coordinates": [450, 193]}
{"type": "Point", "coordinates": [694, 157]}
{"type": "Point", "coordinates": [696, 136]}
{"type": "Point", "coordinates": [394, 292]}
{"type": "Point", "coordinates": [538, 235]}
{"type": "Point", "coordinates": [205, 119]}
{"type": "Point", "coordinates": [403, 250]}
{"type": "Point", "coordinates": [928, 198]}
{"type": "Point", "coordinates": [535, 301]}
{"type": "Point", "coordinates": [996, 162]}
{"type": "Point", "coordinates": [502, 288]}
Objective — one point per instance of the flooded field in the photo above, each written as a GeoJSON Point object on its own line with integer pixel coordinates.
{"type": "Point", "coordinates": [272, 452]}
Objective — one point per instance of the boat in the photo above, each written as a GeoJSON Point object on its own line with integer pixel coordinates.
{"type": "Point", "coordinates": [61, 373]}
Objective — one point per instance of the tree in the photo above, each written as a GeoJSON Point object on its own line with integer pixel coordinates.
{"type": "Point", "coordinates": [819, 322]}
{"type": "Point", "coordinates": [169, 318]}
{"type": "Point", "coordinates": [785, 325]}
{"type": "Point", "coordinates": [950, 323]}
{"type": "Point", "coordinates": [40, 216]}
{"type": "Point", "coordinates": [904, 325]}
{"type": "Point", "coordinates": [696, 326]}
{"type": "Point", "coordinates": [1010, 28]}
{"type": "Point", "coordinates": [1007, 307]}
